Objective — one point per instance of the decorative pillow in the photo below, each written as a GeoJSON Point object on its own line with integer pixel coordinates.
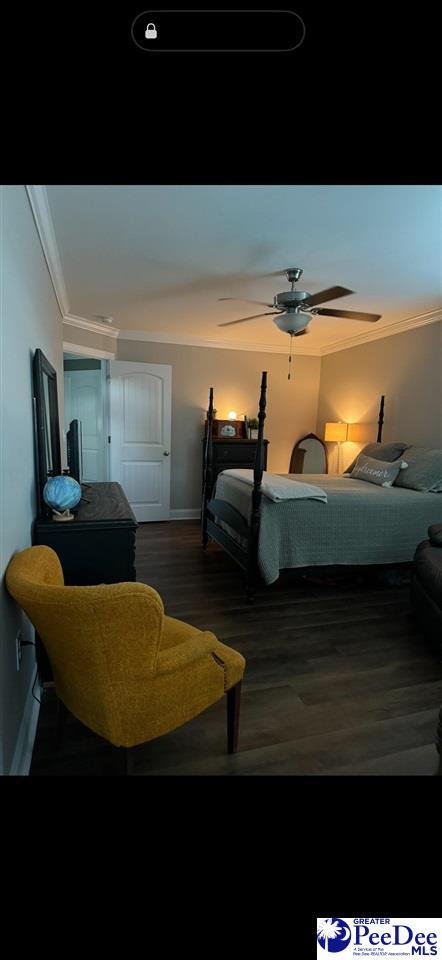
{"type": "Point", "coordinates": [424, 470]}
{"type": "Point", "coordinates": [381, 472]}
{"type": "Point", "coordinates": [381, 451]}
{"type": "Point", "coordinates": [435, 534]}
{"type": "Point", "coordinates": [437, 488]}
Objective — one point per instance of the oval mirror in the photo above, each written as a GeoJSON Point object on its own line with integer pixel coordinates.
{"type": "Point", "coordinates": [309, 455]}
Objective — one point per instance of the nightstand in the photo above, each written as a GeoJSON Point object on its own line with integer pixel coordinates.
{"type": "Point", "coordinates": [234, 454]}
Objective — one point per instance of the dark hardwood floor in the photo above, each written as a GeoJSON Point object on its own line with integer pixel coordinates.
{"type": "Point", "coordinates": [339, 681]}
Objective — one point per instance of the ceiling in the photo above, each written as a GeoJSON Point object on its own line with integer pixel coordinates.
{"type": "Point", "coordinates": [156, 258]}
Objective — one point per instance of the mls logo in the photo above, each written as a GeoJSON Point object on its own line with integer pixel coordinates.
{"type": "Point", "coordinates": [333, 934]}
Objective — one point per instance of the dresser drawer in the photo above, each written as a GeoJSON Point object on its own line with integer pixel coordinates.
{"type": "Point", "coordinates": [239, 465]}
{"type": "Point", "coordinates": [234, 454]}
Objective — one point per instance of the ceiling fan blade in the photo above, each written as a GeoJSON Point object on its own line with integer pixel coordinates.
{"type": "Point", "coordinates": [231, 322]}
{"type": "Point", "coordinates": [277, 273]}
{"type": "Point", "coordinates": [243, 300]}
{"type": "Point", "coordinates": [331, 293]}
{"type": "Point", "coordinates": [301, 332]}
{"type": "Point", "coordinates": [349, 314]}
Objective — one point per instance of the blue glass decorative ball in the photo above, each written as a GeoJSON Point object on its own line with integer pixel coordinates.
{"type": "Point", "coordinates": [62, 493]}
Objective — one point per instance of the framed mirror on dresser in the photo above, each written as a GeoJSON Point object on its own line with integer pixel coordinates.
{"type": "Point", "coordinates": [47, 426]}
{"type": "Point", "coordinates": [98, 544]}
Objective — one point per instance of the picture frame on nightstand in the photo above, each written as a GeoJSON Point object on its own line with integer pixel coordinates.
{"type": "Point", "coordinates": [228, 430]}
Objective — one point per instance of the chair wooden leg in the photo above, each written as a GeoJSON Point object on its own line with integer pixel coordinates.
{"type": "Point", "coordinates": [233, 707]}
{"type": "Point", "coordinates": [122, 761]}
{"type": "Point", "coordinates": [62, 713]}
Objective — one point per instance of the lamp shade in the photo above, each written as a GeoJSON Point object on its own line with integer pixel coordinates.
{"type": "Point", "coordinates": [360, 432]}
{"type": "Point", "coordinates": [336, 431]}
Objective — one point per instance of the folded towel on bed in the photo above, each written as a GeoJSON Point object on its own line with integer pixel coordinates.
{"type": "Point", "coordinates": [277, 487]}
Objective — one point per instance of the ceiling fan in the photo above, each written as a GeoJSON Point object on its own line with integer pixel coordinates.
{"type": "Point", "coordinates": [293, 309]}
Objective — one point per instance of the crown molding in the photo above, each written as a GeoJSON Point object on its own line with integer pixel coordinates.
{"type": "Point", "coordinates": [94, 326]}
{"type": "Point", "coordinates": [83, 351]}
{"type": "Point", "coordinates": [151, 337]}
{"type": "Point", "coordinates": [41, 211]}
{"type": "Point", "coordinates": [400, 326]}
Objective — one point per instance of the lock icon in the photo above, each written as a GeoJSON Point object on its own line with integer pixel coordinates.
{"type": "Point", "coordinates": [151, 32]}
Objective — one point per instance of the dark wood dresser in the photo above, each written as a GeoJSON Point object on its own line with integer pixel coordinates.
{"type": "Point", "coordinates": [98, 546]}
{"type": "Point", "coordinates": [235, 454]}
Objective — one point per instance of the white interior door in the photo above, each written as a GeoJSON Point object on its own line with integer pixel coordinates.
{"type": "Point", "coordinates": [140, 431]}
{"type": "Point", "coordinates": [84, 399]}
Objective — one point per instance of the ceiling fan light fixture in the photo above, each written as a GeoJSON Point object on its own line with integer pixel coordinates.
{"type": "Point", "coordinates": [292, 321]}
{"type": "Point", "coordinates": [291, 306]}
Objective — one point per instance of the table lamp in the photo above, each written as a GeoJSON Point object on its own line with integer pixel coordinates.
{"type": "Point", "coordinates": [337, 432]}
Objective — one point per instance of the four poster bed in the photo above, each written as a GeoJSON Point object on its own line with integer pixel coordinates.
{"type": "Point", "coordinates": [267, 523]}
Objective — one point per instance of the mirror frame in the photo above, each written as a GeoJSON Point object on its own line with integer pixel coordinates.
{"type": "Point", "coordinates": [41, 369]}
{"type": "Point", "coordinates": [309, 436]}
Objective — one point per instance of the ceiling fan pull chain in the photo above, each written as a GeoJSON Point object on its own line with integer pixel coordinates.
{"type": "Point", "coordinates": [290, 356]}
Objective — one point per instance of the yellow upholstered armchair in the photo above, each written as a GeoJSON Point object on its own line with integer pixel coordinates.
{"type": "Point", "coordinates": [122, 667]}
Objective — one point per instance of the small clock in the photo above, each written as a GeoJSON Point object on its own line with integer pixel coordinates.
{"type": "Point", "coordinates": [227, 430]}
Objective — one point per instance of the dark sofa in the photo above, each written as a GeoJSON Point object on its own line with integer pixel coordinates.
{"type": "Point", "coordinates": [426, 593]}
{"type": "Point", "coordinates": [426, 585]}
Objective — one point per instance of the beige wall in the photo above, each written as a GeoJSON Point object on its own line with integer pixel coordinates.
{"type": "Point", "coordinates": [347, 385]}
{"type": "Point", "coordinates": [84, 338]}
{"type": "Point", "coordinates": [406, 368]}
{"type": "Point", "coordinates": [235, 376]}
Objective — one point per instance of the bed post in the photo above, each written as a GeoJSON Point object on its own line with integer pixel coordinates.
{"type": "Point", "coordinates": [207, 470]}
{"type": "Point", "coordinates": [252, 563]}
{"type": "Point", "coordinates": [381, 420]}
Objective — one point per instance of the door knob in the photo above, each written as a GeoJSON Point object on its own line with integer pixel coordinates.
{"type": "Point", "coordinates": [166, 453]}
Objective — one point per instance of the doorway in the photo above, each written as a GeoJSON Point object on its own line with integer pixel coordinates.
{"type": "Point", "coordinates": [86, 399]}
{"type": "Point", "coordinates": [125, 409]}
{"type": "Point", "coordinates": [140, 429]}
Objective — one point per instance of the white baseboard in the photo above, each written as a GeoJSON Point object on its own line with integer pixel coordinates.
{"type": "Point", "coordinates": [21, 762]}
{"type": "Point", "coordinates": [186, 514]}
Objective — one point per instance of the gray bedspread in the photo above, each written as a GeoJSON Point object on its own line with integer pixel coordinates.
{"type": "Point", "coordinates": [362, 523]}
